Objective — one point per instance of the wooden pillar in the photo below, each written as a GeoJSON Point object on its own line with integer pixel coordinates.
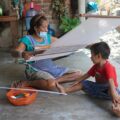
{"type": "Point", "coordinates": [81, 8]}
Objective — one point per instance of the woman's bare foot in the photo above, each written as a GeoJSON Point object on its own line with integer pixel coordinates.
{"type": "Point", "coordinates": [66, 90]}
{"type": "Point", "coordinates": [20, 84]}
{"type": "Point", "coordinates": [60, 88]}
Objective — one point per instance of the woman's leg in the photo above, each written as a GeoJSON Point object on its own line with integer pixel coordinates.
{"type": "Point", "coordinates": [46, 81]}
{"type": "Point", "coordinates": [47, 85]}
{"type": "Point", "coordinates": [40, 84]}
{"type": "Point", "coordinates": [41, 80]}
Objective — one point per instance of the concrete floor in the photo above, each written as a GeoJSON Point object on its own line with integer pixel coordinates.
{"type": "Point", "coordinates": [75, 106]}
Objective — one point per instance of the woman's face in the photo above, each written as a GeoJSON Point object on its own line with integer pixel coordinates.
{"type": "Point", "coordinates": [43, 27]}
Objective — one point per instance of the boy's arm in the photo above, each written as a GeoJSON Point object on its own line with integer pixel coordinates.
{"type": "Point", "coordinates": [81, 78]}
{"type": "Point", "coordinates": [113, 92]}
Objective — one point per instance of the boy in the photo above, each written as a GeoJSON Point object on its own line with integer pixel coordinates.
{"type": "Point", "coordinates": [105, 85]}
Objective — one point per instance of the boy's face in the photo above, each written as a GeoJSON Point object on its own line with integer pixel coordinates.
{"type": "Point", "coordinates": [96, 59]}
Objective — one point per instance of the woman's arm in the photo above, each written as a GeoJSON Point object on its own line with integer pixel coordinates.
{"type": "Point", "coordinates": [53, 39]}
{"type": "Point", "coordinates": [17, 52]}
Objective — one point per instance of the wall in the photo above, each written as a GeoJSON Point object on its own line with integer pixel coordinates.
{"type": "Point", "coordinates": [5, 36]}
{"type": "Point", "coordinates": [46, 8]}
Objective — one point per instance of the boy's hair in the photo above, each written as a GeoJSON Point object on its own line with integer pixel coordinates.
{"type": "Point", "coordinates": [101, 48]}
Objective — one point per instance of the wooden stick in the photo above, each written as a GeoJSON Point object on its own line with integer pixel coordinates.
{"type": "Point", "coordinates": [8, 18]}
{"type": "Point", "coordinates": [97, 16]}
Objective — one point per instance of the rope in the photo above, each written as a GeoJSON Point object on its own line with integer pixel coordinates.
{"type": "Point", "coordinates": [42, 91]}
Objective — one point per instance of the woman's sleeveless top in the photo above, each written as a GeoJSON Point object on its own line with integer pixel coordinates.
{"type": "Point", "coordinates": [45, 64]}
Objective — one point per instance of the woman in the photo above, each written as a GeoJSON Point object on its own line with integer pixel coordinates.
{"type": "Point", "coordinates": [42, 74]}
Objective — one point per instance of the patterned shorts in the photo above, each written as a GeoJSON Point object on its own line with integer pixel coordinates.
{"type": "Point", "coordinates": [43, 75]}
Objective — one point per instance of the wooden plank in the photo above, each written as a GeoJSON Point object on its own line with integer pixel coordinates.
{"type": "Point", "coordinates": [8, 18]}
{"type": "Point", "coordinates": [97, 16]}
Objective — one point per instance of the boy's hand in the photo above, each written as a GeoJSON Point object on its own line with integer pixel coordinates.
{"type": "Point", "coordinates": [116, 98]}
{"type": "Point", "coordinates": [116, 109]}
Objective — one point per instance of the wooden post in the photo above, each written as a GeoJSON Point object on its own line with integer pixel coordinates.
{"type": "Point", "coordinates": [81, 8]}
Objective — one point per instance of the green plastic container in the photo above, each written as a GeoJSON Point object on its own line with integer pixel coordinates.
{"type": "Point", "coordinates": [1, 11]}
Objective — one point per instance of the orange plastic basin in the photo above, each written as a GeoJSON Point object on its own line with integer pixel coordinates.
{"type": "Point", "coordinates": [21, 97]}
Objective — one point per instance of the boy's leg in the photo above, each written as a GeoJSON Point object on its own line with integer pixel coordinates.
{"type": "Point", "coordinates": [75, 87]}
{"type": "Point", "coordinates": [96, 90]}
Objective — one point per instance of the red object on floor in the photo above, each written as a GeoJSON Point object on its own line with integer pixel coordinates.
{"type": "Point", "coordinates": [27, 7]}
{"type": "Point", "coordinates": [21, 97]}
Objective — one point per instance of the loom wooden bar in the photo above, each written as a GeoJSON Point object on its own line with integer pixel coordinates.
{"type": "Point", "coordinates": [98, 16]}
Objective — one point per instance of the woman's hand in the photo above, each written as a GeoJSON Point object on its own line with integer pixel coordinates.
{"type": "Point", "coordinates": [27, 55]}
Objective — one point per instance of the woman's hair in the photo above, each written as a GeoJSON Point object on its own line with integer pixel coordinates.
{"type": "Point", "coordinates": [101, 48]}
{"type": "Point", "coordinates": [36, 21]}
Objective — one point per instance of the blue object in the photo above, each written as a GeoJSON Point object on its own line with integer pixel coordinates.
{"type": "Point", "coordinates": [92, 6]}
{"type": "Point", "coordinates": [29, 14]}
{"type": "Point", "coordinates": [51, 31]}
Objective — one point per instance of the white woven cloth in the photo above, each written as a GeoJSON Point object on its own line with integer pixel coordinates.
{"type": "Point", "coordinates": [84, 34]}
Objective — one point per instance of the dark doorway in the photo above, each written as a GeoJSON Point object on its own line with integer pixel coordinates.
{"type": "Point", "coordinates": [74, 6]}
